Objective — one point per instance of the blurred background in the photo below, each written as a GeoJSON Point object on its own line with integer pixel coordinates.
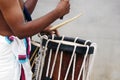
{"type": "Point", "coordinates": [99, 23]}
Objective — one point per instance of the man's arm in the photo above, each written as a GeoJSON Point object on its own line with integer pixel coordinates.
{"type": "Point", "coordinates": [14, 17]}
{"type": "Point", "coordinates": [30, 5]}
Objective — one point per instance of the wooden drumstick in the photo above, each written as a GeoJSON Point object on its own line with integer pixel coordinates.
{"type": "Point", "coordinates": [58, 26]}
{"type": "Point", "coordinates": [65, 22]}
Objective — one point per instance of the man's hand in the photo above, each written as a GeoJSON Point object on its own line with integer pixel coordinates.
{"type": "Point", "coordinates": [47, 31]}
{"type": "Point", "coordinates": [63, 7]}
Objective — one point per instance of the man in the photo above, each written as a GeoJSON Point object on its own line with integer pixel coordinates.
{"type": "Point", "coordinates": [13, 30]}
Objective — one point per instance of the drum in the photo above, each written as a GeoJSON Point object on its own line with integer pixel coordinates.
{"type": "Point", "coordinates": [64, 58]}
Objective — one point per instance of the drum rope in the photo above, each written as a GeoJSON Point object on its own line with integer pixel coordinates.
{"type": "Point", "coordinates": [34, 53]}
{"type": "Point", "coordinates": [86, 74]}
{"type": "Point", "coordinates": [34, 61]}
{"type": "Point", "coordinates": [55, 58]}
{"type": "Point", "coordinates": [74, 67]}
{"type": "Point", "coordinates": [38, 61]}
{"type": "Point", "coordinates": [40, 67]}
{"type": "Point", "coordinates": [49, 59]}
{"type": "Point", "coordinates": [92, 61]}
{"type": "Point", "coordinates": [84, 60]}
{"type": "Point", "coordinates": [61, 57]}
{"type": "Point", "coordinates": [43, 59]}
{"type": "Point", "coordinates": [32, 65]}
{"type": "Point", "coordinates": [84, 68]}
{"type": "Point", "coordinates": [71, 59]}
{"type": "Point", "coordinates": [37, 68]}
{"type": "Point", "coordinates": [38, 64]}
{"type": "Point", "coordinates": [83, 64]}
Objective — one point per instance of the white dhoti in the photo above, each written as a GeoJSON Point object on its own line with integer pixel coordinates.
{"type": "Point", "coordinates": [10, 65]}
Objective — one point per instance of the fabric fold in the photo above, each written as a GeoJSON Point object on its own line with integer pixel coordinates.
{"type": "Point", "coordinates": [13, 57]}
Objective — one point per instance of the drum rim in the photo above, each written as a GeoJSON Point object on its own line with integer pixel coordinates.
{"type": "Point", "coordinates": [70, 39]}
{"type": "Point", "coordinates": [80, 49]}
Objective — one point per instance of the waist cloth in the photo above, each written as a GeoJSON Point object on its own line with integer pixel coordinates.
{"type": "Point", "coordinates": [14, 53]}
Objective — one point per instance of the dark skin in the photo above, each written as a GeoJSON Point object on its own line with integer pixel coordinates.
{"type": "Point", "coordinates": [12, 19]}
{"type": "Point", "coordinates": [30, 5]}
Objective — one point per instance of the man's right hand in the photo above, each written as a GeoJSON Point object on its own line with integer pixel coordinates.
{"type": "Point", "coordinates": [63, 7]}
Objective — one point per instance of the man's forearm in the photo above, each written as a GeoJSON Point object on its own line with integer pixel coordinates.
{"type": "Point", "coordinates": [30, 5]}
